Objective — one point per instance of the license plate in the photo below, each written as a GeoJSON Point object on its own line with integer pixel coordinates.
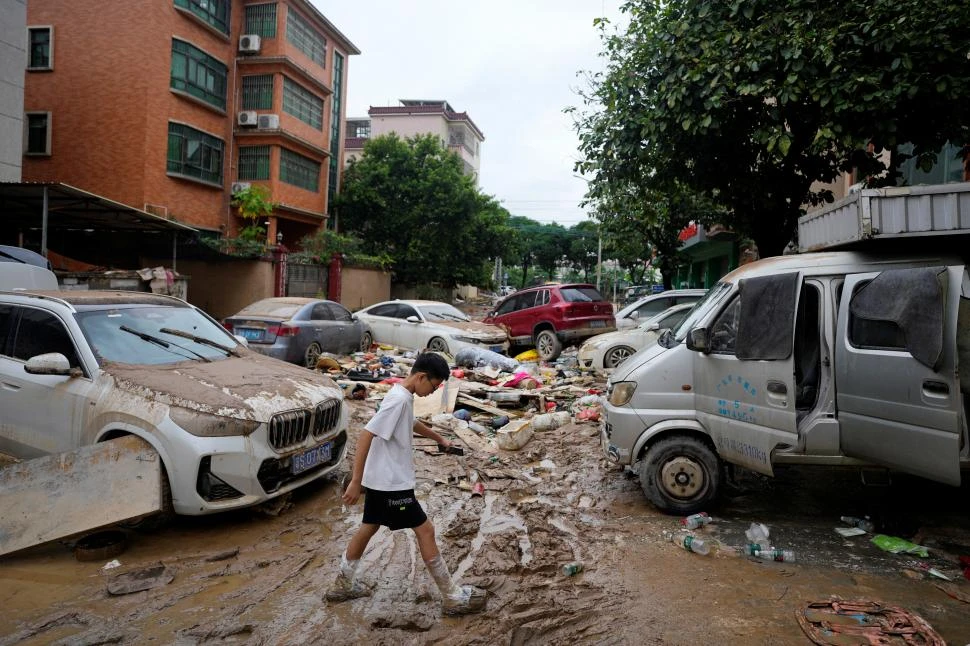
{"type": "Point", "coordinates": [597, 323]}
{"type": "Point", "coordinates": [309, 459]}
{"type": "Point", "coordinates": [495, 348]}
{"type": "Point", "coordinates": [251, 334]}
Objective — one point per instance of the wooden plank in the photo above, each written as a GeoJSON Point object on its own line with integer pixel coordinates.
{"type": "Point", "coordinates": [467, 400]}
{"type": "Point", "coordinates": [440, 401]}
{"type": "Point", "coordinates": [474, 441]}
{"type": "Point", "coordinates": [60, 495]}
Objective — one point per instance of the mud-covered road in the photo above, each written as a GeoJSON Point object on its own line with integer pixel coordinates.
{"type": "Point", "coordinates": [553, 502]}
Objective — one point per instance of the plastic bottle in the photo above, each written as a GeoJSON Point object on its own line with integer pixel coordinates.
{"type": "Point", "coordinates": [569, 569]}
{"type": "Point", "coordinates": [478, 428]}
{"type": "Point", "coordinates": [696, 520]}
{"type": "Point", "coordinates": [862, 523]}
{"type": "Point", "coordinates": [691, 543]}
{"type": "Point", "coordinates": [757, 534]}
{"type": "Point", "coordinates": [786, 556]}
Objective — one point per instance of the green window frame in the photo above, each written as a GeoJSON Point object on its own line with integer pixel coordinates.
{"type": "Point", "coordinates": [198, 74]}
{"type": "Point", "coordinates": [257, 92]}
{"type": "Point", "coordinates": [39, 48]}
{"type": "Point", "coordinates": [194, 154]}
{"type": "Point", "coordinates": [305, 38]}
{"type": "Point", "coordinates": [335, 108]}
{"type": "Point", "coordinates": [254, 162]}
{"type": "Point", "coordinates": [261, 20]}
{"type": "Point", "coordinates": [299, 171]}
{"type": "Point", "coordinates": [302, 104]}
{"type": "Point", "coordinates": [212, 12]}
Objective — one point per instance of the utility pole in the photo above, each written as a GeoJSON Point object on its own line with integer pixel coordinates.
{"type": "Point", "coordinates": [599, 255]}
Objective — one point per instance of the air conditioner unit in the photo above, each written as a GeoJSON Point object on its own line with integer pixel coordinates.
{"type": "Point", "coordinates": [247, 118]}
{"type": "Point", "coordinates": [239, 187]}
{"type": "Point", "coordinates": [268, 122]}
{"type": "Point", "coordinates": [249, 44]}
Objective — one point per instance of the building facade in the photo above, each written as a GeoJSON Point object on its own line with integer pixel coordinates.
{"type": "Point", "coordinates": [412, 117]}
{"type": "Point", "coordinates": [170, 110]}
{"type": "Point", "coordinates": [13, 58]}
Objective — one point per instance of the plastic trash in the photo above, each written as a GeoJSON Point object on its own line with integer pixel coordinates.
{"type": "Point", "coordinates": [462, 414]}
{"type": "Point", "coordinates": [782, 556]}
{"type": "Point", "coordinates": [696, 520]}
{"type": "Point", "coordinates": [469, 357]}
{"type": "Point", "coordinates": [570, 569]}
{"type": "Point", "coordinates": [690, 543]}
{"type": "Point", "coordinates": [864, 524]}
{"type": "Point", "coordinates": [500, 421]}
{"type": "Point", "coordinates": [549, 421]}
{"type": "Point", "coordinates": [897, 545]}
{"type": "Point", "coordinates": [528, 355]}
{"type": "Point", "coordinates": [478, 428]}
{"type": "Point", "coordinates": [757, 534]}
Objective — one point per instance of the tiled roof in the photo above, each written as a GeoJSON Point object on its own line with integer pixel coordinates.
{"type": "Point", "coordinates": [426, 109]}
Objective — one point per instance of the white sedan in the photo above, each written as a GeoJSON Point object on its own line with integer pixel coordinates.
{"type": "Point", "coordinates": [432, 325]}
{"type": "Point", "coordinates": [613, 348]}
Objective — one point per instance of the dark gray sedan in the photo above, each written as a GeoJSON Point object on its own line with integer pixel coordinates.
{"type": "Point", "coordinates": [299, 329]}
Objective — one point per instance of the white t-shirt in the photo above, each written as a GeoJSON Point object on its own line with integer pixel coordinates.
{"type": "Point", "coordinates": [390, 463]}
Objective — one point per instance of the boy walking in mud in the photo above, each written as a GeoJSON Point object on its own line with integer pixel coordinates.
{"type": "Point", "coordinates": [384, 472]}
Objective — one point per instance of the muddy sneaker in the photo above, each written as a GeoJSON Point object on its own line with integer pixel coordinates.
{"type": "Point", "coordinates": [343, 589]}
{"type": "Point", "coordinates": [469, 600]}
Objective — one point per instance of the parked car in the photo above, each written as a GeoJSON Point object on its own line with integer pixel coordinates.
{"type": "Point", "coordinates": [823, 359]}
{"type": "Point", "coordinates": [505, 290]}
{"type": "Point", "coordinates": [432, 325]}
{"type": "Point", "coordinates": [232, 427]}
{"type": "Point", "coordinates": [299, 329]}
{"type": "Point", "coordinates": [548, 317]}
{"type": "Point", "coordinates": [613, 348]}
{"type": "Point", "coordinates": [646, 307]}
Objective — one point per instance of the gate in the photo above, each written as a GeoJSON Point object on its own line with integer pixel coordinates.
{"type": "Point", "coordinates": [308, 281]}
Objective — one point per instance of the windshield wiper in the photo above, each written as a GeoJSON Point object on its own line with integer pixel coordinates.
{"type": "Point", "coordinates": [162, 343]}
{"type": "Point", "coordinates": [200, 339]}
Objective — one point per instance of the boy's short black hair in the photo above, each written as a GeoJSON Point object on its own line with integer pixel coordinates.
{"type": "Point", "coordinates": [431, 364]}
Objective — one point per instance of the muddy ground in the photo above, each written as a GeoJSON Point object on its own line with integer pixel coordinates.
{"type": "Point", "coordinates": [533, 518]}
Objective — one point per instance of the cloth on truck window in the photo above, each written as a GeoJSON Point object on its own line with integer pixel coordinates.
{"type": "Point", "coordinates": [913, 300]}
{"type": "Point", "coordinates": [766, 327]}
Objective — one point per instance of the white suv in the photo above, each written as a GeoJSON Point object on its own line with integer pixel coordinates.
{"type": "Point", "coordinates": [233, 428]}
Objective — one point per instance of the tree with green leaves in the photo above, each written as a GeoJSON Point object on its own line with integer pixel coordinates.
{"type": "Point", "coordinates": [411, 200]}
{"type": "Point", "coordinates": [747, 103]}
{"type": "Point", "coordinates": [253, 204]}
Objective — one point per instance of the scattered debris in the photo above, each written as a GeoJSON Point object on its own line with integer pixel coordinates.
{"type": "Point", "coordinates": [896, 545]}
{"type": "Point", "coordinates": [101, 545]}
{"type": "Point", "coordinates": [954, 591]}
{"type": "Point", "coordinates": [839, 622]}
{"type": "Point", "coordinates": [147, 578]}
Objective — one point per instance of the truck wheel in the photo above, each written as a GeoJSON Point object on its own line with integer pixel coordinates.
{"type": "Point", "coordinates": [548, 345]}
{"type": "Point", "coordinates": [680, 475]}
{"type": "Point", "coordinates": [616, 356]}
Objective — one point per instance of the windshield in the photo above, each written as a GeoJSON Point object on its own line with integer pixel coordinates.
{"type": "Point", "coordinates": [713, 296]}
{"type": "Point", "coordinates": [103, 330]}
{"type": "Point", "coordinates": [580, 294]}
{"type": "Point", "coordinates": [442, 312]}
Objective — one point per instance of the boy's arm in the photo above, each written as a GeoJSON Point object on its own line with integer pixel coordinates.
{"type": "Point", "coordinates": [352, 493]}
{"type": "Point", "coordinates": [424, 430]}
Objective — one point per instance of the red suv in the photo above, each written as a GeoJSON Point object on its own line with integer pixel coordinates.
{"type": "Point", "coordinates": [551, 316]}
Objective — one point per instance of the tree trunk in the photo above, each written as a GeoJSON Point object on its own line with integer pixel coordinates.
{"type": "Point", "coordinates": [773, 235]}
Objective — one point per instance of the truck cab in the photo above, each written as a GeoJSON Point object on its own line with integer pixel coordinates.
{"type": "Point", "coordinates": [837, 358]}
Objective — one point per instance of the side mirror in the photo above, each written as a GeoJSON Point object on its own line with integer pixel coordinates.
{"type": "Point", "coordinates": [697, 340]}
{"type": "Point", "coordinates": [52, 363]}
{"type": "Point", "coordinates": [653, 326]}
{"type": "Point", "coordinates": [635, 315]}
{"type": "Point", "coordinates": [243, 341]}
{"type": "Point", "coordinates": [413, 319]}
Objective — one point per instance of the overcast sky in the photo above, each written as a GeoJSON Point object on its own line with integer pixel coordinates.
{"type": "Point", "coordinates": [511, 65]}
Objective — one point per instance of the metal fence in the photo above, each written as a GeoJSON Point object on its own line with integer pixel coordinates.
{"type": "Point", "coordinates": [307, 281]}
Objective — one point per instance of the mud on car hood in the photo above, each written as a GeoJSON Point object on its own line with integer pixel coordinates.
{"type": "Point", "coordinates": [250, 386]}
{"type": "Point", "coordinates": [474, 328]}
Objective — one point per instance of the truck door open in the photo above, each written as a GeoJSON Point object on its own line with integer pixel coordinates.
{"type": "Point", "coordinates": [896, 376]}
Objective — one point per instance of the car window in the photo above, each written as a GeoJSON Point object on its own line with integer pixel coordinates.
{"type": "Point", "coordinates": [442, 312]}
{"type": "Point", "coordinates": [724, 332]}
{"type": "Point", "coordinates": [40, 332]}
{"type": "Point", "coordinates": [321, 312]}
{"type": "Point", "coordinates": [686, 299]}
{"type": "Point", "coordinates": [528, 300]}
{"type": "Point", "coordinates": [7, 313]}
{"type": "Point", "coordinates": [387, 309]}
{"type": "Point", "coordinates": [338, 312]}
{"type": "Point", "coordinates": [580, 294]}
{"type": "Point", "coordinates": [672, 320]}
{"type": "Point", "coordinates": [404, 311]}
{"type": "Point", "coordinates": [651, 308]}
{"type": "Point", "coordinates": [510, 305]}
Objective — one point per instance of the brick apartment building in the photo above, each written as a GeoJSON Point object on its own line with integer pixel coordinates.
{"type": "Point", "coordinates": [456, 130]}
{"type": "Point", "coordinates": [165, 104]}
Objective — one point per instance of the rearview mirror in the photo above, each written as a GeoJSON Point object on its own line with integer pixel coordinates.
{"type": "Point", "coordinates": [52, 363]}
{"type": "Point", "coordinates": [413, 319]}
{"type": "Point", "coordinates": [697, 340]}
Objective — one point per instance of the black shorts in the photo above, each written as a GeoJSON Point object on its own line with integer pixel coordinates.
{"type": "Point", "coordinates": [393, 509]}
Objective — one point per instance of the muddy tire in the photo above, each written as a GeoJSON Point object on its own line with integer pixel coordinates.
{"type": "Point", "coordinates": [157, 520]}
{"type": "Point", "coordinates": [311, 355]}
{"type": "Point", "coordinates": [548, 345]}
{"type": "Point", "coordinates": [616, 356]}
{"type": "Point", "coordinates": [680, 475]}
{"type": "Point", "coordinates": [437, 344]}
{"type": "Point", "coordinates": [366, 341]}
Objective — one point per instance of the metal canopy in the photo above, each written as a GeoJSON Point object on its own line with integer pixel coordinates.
{"type": "Point", "coordinates": [22, 206]}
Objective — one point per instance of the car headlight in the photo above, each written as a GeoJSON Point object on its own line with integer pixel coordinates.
{"type": "Point", "coordinates": [621, 393]}
{"type": "Point", "coordinates": [208, 425]}
{"type": "Point", "coordinates": [466, 339]}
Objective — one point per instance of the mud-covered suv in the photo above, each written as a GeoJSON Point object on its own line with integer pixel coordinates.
{"type": "Point", "coordinates": [549, 317]}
